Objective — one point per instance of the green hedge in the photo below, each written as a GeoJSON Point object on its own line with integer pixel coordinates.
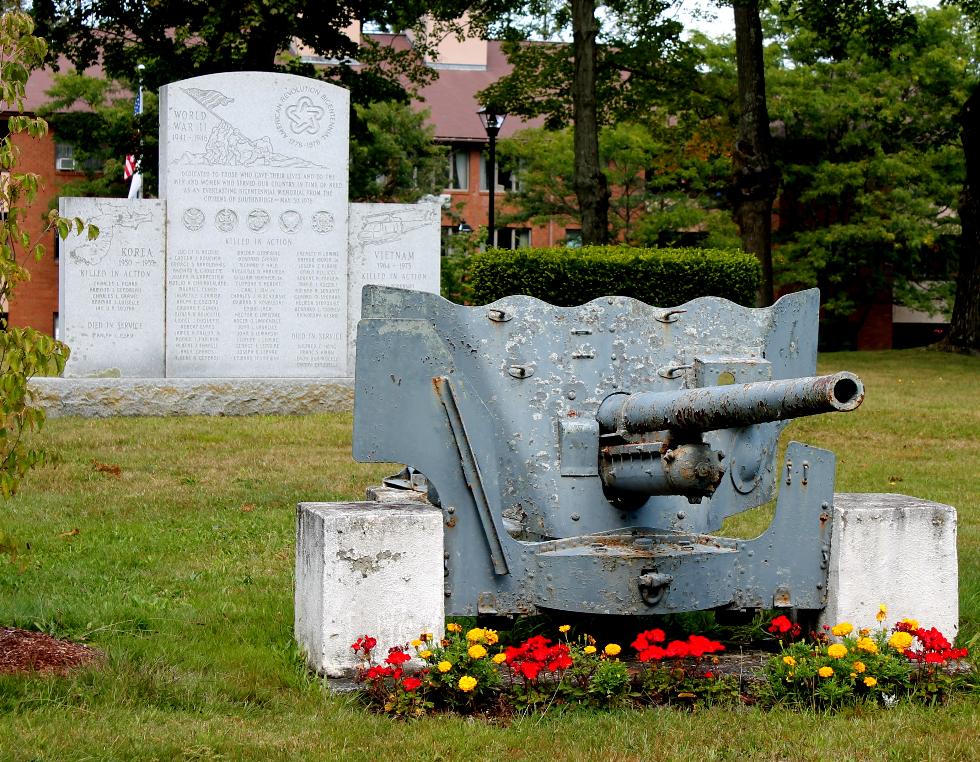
{"type": "Point", "coordinates": [567, 277]}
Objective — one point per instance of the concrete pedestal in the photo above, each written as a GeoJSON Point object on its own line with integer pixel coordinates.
{"type": "Point", "coordinates": [897, 550]}
{"type": "Point", "coordinates": [112, 397]}
{"type": "Point", "coordinates": [365, 568]}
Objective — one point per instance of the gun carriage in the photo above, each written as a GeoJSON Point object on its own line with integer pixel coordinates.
{"type": "Point", "coordinates": [583, 457]}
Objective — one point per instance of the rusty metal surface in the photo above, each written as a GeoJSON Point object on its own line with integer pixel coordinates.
{"type": "Point", "coordinates": [498, 406]}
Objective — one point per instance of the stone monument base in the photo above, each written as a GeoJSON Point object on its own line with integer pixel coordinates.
{"type": "Point", "coordinates": [896, 550]}
{"type": "Point", "coordinates": [365, 568]}
{"type": "Point", "coordinates": [108, 397]}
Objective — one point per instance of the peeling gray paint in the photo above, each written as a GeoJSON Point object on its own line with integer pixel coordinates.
{"type": "Point", "coordinates": [528, 531]}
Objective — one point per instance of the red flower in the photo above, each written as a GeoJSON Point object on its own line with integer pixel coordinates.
{"type": "Point", "coordinates": [541, 654]}
{"type": "Point", "coordinates": [377, 672]}
{"type": "Point", "coordinates": [780, 625]}
{"type": "Point", "coordinates": [529, 669]}
{"type": "Point", "coordinates": [367, 643]}
{"type": "Point", "coordinates": [411, 683]}
{"type": "Point", "coordinates": [709, 675]}
{"type": "Point", "coordinates": [652, 653]}
{"type": "Point", "coordinates": [562, 661]}
{"type": "Point", "coordinates": [512, 652]}
{"type": "Point", "coordinates": [698, 645]}
{"type": "Point", "coordinates": [397, 656]}
{"type": "Point", "coordinates": [648, 638]}
{"type": "Point", "coordinates": [677, 649]}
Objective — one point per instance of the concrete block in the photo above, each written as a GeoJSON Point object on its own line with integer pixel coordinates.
{"type": "Point", "coordinates": [897, 550]}
{"type": "Point", "coordinates": [365, 569]}
{"type": "Point", "coordinates": [112, 397]}
{"type": "Point", "coordinates": [381, 493]}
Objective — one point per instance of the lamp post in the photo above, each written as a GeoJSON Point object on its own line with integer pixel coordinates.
{"type": "Point", "coordinates": [492, 122]}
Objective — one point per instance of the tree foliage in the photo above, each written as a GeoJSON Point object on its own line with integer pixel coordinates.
{"type": "Point", "coordinates": [622, 53]}
{"type": "Point", "coordinates": [396, 159]}
{"type": "Point", "coordinates": [176, 39]}
{"type": "Point", "coordinates": [665, 178]}
{"type": "Point", "coordinates": [95, 115]}
{"type": "Point", "coordinates": [868, 148]}
{"type": "Point", "coordinates": [24, 352]}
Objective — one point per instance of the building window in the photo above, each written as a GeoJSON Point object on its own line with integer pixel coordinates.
{"type": "Point", "coordinates": [573, 238]}
{"type": "Point", "coordinates": [65, 161]}
{"type": "Point", "coordinates": [64, 157]}
{"type": "Point", "coordinates": [56, 326]}
{"type": "Point", "coordinates": [513, 238]}
{"type": "Point", "coordinates": [448, 246]}
{"type": "Point", "coordinates": [459, 168]}
{"type": "Point", "coordinates": [507, 180]}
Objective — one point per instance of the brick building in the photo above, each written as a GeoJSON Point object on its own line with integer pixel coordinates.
{"type": "Point", "coordinates": [35, 302]}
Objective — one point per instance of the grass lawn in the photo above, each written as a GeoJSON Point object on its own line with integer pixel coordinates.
{"type": "Point", "coordinates": [181, 571]}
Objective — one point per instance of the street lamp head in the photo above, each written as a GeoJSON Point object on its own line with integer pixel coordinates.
{"type": "Point", "coordinates": [491, 120]}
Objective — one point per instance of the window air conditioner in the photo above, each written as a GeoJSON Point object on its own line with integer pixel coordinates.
{"type": "Point", "coordinates": [65, 164]}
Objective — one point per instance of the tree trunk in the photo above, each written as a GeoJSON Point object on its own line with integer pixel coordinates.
{"type": "Point", "coordinates": [755, 180]}
{"type": "Point", "coordinates": [964, 331]}
{"type": "Point", "coordinates": [590, 184]}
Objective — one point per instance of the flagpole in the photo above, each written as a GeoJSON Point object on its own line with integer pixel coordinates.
{"type": "Point", "coordinates": [136, 185]}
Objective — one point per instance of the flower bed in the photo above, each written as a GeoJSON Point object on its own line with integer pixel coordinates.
{"type": "Point", "coordinates": [472, 671]}
{"type": "Point", "coordinates": [841, 665]}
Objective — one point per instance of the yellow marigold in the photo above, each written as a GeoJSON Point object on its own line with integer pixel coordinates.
{"type": "Point", "coordinates": [416, 643]}
{"type": "Point", "coordinates": [853, 675]}
{"type": "Point", "coordinates": [564, 628]}
{"type": "Point", "coordinates": [867, 645]}
{"type": "Point", "coordinates": [425, 637]}
{"type": "Point", "coordinates": [882, 612]}
{"type": "Point", "coordinates": [476, 651]}
{"type": "Point", "coordinates": [453, 627]}
{"type": "Point", "coordinates": [843, 629]}
{"type": "Point", "coordinates": [859, 667]}
{"type": "Point", "coordinates": [490, 637]}
{"type": "Point", "coordinates": [467, 683]}
{"type": "Point", "coordinates": [912, 623]}
{"type": "Point", "coordinates": [444, 666]}
{"type": "Point", "coordinates": [789, 661]}
{"type": "Point", "coordinates": [475, 635]}
{"type": "Point", "coordinates": [612, 649]}
{"type": "Point", "coordinates": [426, 654]}
{"type": "Point", "coordinates": [825, 672]}
{"type": "Point", "coordinates": [900, 641]}
{"type": "Point", "coordinates": [588, 650]}
{"type": "Point", "coordinates": [837, 651]}
{"type": "Point", "coordinates": [499, 658]}
{"type": "Point", "coordinates": [864, 632]}
{"type": "Point", "coordinates": [870, 681]}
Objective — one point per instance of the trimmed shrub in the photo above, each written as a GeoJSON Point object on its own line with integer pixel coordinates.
{"type": "Point", "coordinates": [568, 277]}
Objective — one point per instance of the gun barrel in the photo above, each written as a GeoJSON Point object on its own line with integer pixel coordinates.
{"type": "Point", "coordinates": [723, 407]}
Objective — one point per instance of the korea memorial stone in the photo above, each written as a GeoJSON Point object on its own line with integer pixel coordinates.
{"type": "Point", "coordinates": [253, 169]}
{"type": "Point", "coordinates": [391, 245]}
{"type": "Point", "coordinates": [111, 289]}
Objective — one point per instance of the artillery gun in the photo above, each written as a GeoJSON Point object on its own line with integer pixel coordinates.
{"type": "Point", "coordinates": [583, 456]}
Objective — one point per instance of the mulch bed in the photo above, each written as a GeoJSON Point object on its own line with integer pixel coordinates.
{"type": "Point", "coordinates": [24, 651]}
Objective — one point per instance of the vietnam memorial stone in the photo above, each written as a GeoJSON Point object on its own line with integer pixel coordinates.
{"type": "Point", "coordinates": [391, 245]}
{"type": "Point", "coordinates": [111, 289]}
{"type": "Point", "coordinates": [253, 168]}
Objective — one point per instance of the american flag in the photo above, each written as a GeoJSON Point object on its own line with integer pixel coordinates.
{"type": "Point", "coordinates": [129, 166]}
